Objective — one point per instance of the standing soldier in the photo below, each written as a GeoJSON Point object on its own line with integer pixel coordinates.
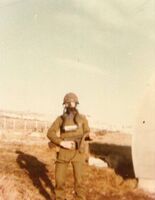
{"type": "Point", "coordinates": [73, 129]}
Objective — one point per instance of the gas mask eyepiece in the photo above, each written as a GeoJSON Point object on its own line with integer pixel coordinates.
{"type": "Point", "coordinates": [71, 104]}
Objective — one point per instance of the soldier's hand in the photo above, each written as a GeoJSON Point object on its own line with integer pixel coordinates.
{"type": "Point", "coordinates": [92, 135]}
{"type": "Point", "coordinates": [51, 145]}
{"type": "Point", "coordinates": [68, 144]}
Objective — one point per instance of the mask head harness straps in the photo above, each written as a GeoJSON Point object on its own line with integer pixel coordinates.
{"type": "Point", "coordinates": [75, 119]}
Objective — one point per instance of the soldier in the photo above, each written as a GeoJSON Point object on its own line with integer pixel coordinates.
{"type": "Point", "coordinates": [73, 129]}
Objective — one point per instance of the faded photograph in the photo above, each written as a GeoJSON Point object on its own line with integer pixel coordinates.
{"type": "Point", "coordinates": [77, 104]}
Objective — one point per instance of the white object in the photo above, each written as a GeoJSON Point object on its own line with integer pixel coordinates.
{"type": "Point", "coordinates": [70, 128]}
{"type": "Point", "coordinates": [35, 134]}
{"type": "Point", "coordinates": [143, 144]}
{"type": "Point", "coordinates": [96, 162]}
{"type": "Point", "coordinates": [68, 144]}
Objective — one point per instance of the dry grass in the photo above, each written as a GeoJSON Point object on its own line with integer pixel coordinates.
{"type": "Point", "coordinates": [27, 172]}
{"type": "Point", "coordinates": [11, 188]}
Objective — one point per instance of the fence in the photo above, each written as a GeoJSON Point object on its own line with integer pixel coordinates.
{"type": "Point", "coordinates": [20, 124]}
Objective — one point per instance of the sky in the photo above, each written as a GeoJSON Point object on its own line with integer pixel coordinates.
{"type": "Point", "coordinates": [102, 50]}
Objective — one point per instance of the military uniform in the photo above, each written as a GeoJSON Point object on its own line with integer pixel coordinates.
{"type": "Point", "coordinates": [65, 156]}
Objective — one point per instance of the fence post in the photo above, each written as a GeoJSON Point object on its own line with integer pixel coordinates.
{"type": "Point", "coordinates": [4, 122]}
{"type": "Point", "coordinates": [45, 125]}
{"type": "Point", "coordinates": [36, 125]}
{"type": "Point", "coordinates": [14, 123]}
{"type": "Point", "coordinates": [25, 125]}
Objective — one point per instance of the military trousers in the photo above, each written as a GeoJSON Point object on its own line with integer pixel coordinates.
{"type": "Point", "coordinates": [60, 178]}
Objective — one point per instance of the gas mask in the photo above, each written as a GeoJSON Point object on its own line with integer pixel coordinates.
{"type": "Point", "coordinates": [70, 107]}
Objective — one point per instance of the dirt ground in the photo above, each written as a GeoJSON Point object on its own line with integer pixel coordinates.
{"type": "Point", "coordinates": [27, 172]}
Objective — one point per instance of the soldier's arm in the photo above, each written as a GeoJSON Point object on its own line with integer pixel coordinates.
{"type": "Point", "coordinates": [53, 130]}
{"type": "Point", "coordinates": [86, 128]}
{"type": "Point", "coordinates": [89, 135]}
{"type": "Point", "coordinates": [86, 131]}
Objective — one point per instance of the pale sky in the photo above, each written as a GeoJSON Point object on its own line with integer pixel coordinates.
{"type": "Point", "coordinates": [103, 50]}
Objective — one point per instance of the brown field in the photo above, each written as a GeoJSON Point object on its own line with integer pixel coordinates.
{"type": "Point", "coordinates": [27, 172]}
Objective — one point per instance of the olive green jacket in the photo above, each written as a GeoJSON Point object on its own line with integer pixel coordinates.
{"type": "Point", "coordinates": [56, 127]}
